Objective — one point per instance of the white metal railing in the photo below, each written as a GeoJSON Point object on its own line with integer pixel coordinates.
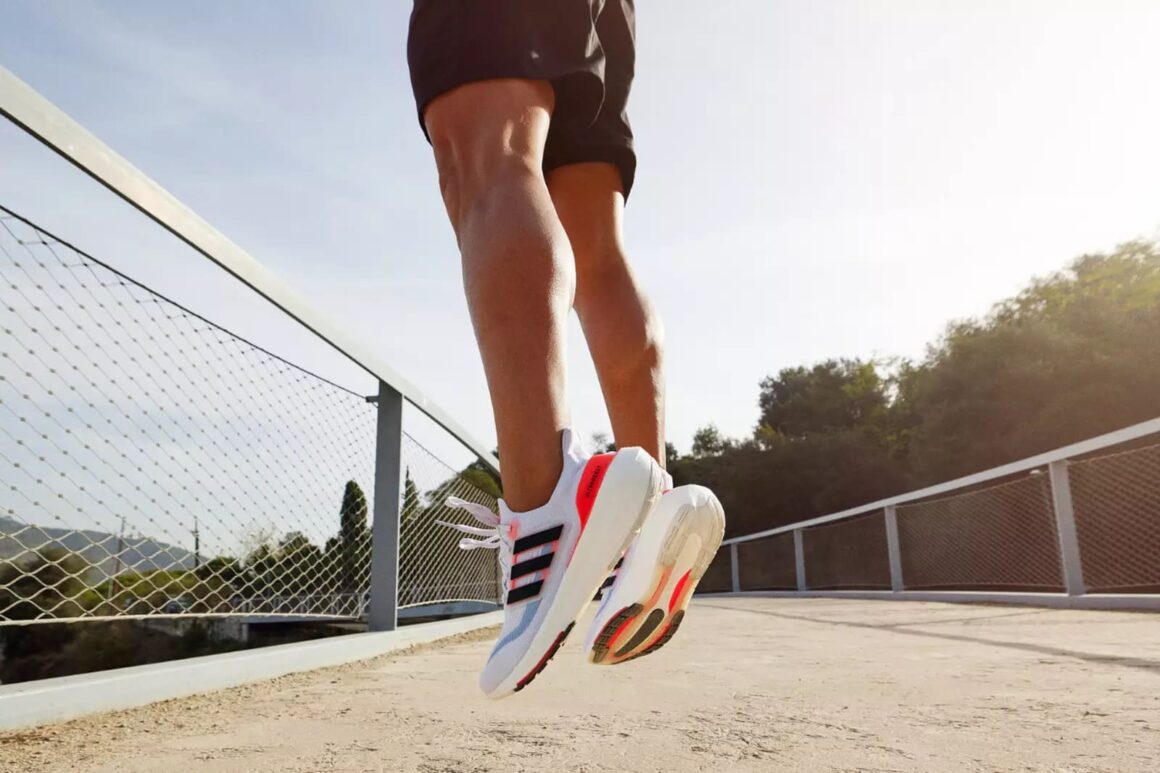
{"type": "Point", "coordinates": [1078, 526]}
{"type": "Point", "coordinates": [138, 437]}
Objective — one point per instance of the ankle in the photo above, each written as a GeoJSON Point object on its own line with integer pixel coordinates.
{"type": "Point", "coordinates": [529, 484]}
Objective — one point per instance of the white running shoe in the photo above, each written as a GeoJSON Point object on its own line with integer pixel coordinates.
{"type": "Point", "coordinates": [554, 558]}
{"type": "Point", "coordinates": [644, 600]}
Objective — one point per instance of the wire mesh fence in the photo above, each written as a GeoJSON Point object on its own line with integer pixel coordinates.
{"type": "Point", "coordinates": [1117, 519]}
{"type": "Point", "coordinates": [431, 565]}
{"type": "Point", "coordinates": [156, 464]}
{"type": "Point", "coordinates": [768, 564]}
{"type": "Point", "coordinates": [1002, 537]}
{"type": "Point", "coordinates": [847, 554]}
{"type": "Point", "coordinates": [1068, 521]}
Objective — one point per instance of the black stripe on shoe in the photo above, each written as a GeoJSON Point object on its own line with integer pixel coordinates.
{"type": "Point", "coordinates": [525, 591]}
{"type": "Point", "coordinates": [539, 563]}
{"type": "Point", "coordinates": [608, 581]}
{"type": "Point", "coordinates": [539, 538]}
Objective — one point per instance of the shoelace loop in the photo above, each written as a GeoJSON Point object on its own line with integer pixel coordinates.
{"type": "Point", "coordinates": [493, 538]}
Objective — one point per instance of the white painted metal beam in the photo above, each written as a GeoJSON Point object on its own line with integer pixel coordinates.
{"type": "Point", "coordinates": [893, 548]}
{"type": "Point", "coordinates": [21, 104]}
{"type": "Point", "coordinates": [1069, 559]}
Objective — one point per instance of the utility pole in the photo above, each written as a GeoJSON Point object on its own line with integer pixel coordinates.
{"type": "Point", "coordinates": [196, 544]}
{"type": "Point", "coordinates": [113, 582]}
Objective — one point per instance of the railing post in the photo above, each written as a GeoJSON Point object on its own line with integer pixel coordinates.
{"type": "Point", "coordinates": [1065, 527]}
{"type": "Point", "coordinates": [799, 559]}
{"type": "Point", "coordinates": [735, 568]}
{"type": "Point", "coordinates": [893, 549]}
{"type": "Point", "coordinates": [382, 612]}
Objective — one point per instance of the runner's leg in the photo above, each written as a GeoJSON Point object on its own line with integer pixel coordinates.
{"type": "Point", "coordinates": [518, 269]}
{"type": "Point", "coordinates": [622, 329]}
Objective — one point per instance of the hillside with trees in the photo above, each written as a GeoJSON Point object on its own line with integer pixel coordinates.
{"type": "Point", "coordinates": [1073, 355]}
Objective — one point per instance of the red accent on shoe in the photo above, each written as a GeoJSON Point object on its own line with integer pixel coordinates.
{"type": "Point", "coordinates": [677, 590]}
{"type": "Point", "coordinates": [590, 482]}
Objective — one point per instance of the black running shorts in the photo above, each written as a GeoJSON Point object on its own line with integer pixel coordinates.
{"type": "Point", "coordinates": [586, 48]}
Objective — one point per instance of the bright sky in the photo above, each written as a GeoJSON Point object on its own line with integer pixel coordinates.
{"type": "Point", "coordinates": [816, 179]}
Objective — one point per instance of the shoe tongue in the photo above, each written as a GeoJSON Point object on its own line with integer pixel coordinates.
{"type": "Point", "coordinates": [573, 450]}
{"type": "Point", "coordinates": [506, 515]}
{"type": "Point", "coordinates": [668, 482]}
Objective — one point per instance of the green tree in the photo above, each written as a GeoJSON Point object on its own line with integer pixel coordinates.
{"type": "Point", "coordinates": [300, 566]}
{"type": "Point", "coordinates": [47, 582]}
{"type": "Point", "coordinates": [354, 540]}
{"type": "Point", "coordinates": [791, 479]}
{"type": "Point", "coordinates": [708, 441]}
{"type": "Point", "coordinates": [412, 501]}
{"type": "Point", "coordinates": [1073, 355]}
{"type": "Point", "coordinates": [831, 396]}
{"type": "Point", "coordinates": [602, 444]}
{"type": "Point", "coordinates": [484, 477]}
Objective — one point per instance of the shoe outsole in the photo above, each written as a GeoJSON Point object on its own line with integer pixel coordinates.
{"type": "Point", "coordinates": [618, 621]}
{"type": "Point", "coordinates": [662, 617]}
{"type": "Point", "coordinates": [551, 653]}
{"type": "Point", "coordinates": [663, 640]}
{"type": "Point", "coordinates": [654, 619]}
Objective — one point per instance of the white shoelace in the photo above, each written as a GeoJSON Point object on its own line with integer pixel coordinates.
{"type": "Point", "coordinates": [493, 536]}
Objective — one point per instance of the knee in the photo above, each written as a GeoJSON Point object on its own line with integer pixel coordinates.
{"type": "Point", "coordinates": [487, 136]}
{"type": "Point", "coordinates": [473, 169]}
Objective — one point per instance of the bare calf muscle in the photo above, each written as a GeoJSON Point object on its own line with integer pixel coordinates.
{"type": "Point", "coordinates": [621, 327]}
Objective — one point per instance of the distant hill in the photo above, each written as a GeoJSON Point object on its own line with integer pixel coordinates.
{"type": "Point", "coordinates": [138, 554]}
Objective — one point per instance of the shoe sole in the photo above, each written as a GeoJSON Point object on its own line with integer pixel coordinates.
{"type": "Point", "coordinates": [632, 483]}
{"type": "Point", "coordinates": [658, 601]}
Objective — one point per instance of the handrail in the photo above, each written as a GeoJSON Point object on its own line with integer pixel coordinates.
{"type": "Point", "coordinates": [1143, 429]}
{"type": "Point", "coordinates": [26, 108]}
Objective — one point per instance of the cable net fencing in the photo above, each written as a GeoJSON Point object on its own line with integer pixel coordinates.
{"type": "Point", "coordinates": [847, 554]}
{"type": "Point", "coordinates": [1116, 499]}
{"type": "Point", "coordinates": [156, 464]}
{"type": "Point", "coordinates": [1002, 537]}
{"type": "Point", "coordinates": [767, 564]}
{"type": "Point", "coordinates": [996, 537]}
{"type": "Point", "coordinates": [432, 567]}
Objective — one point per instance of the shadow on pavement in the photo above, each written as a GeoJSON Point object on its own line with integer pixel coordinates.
{"type": "Point", "coordinates": [1145, 664]}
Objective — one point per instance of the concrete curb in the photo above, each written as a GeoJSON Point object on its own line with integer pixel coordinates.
{"type": "Point", "coordinates": [28, 704]}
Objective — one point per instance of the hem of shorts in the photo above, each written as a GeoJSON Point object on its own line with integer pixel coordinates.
{"type": "Point", "coordinates": [453, 83]}
{"type": "Point", "coordinates": [620, 155]}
